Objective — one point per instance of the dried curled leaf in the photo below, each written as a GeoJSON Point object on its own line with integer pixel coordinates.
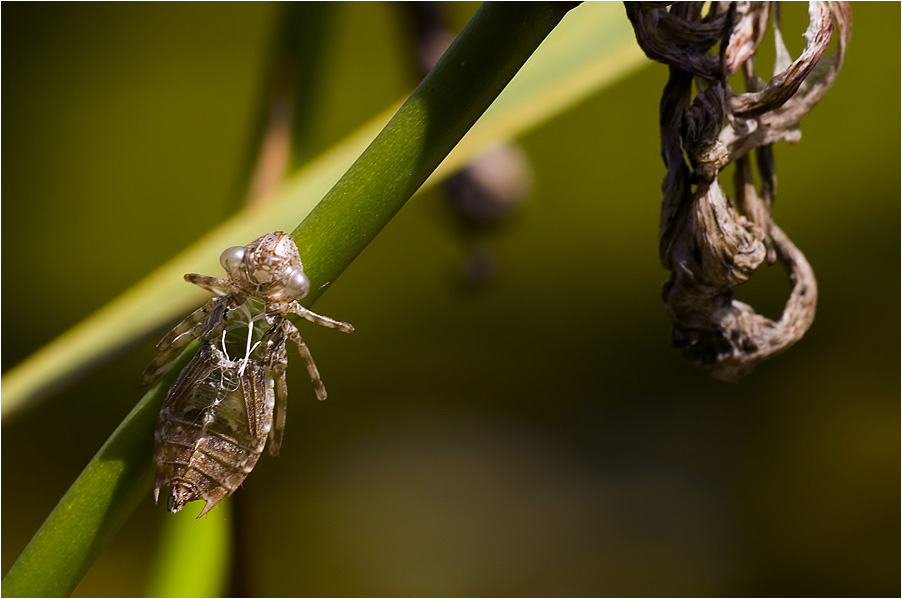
{"type": "Point", "coordinates": [710, 243]}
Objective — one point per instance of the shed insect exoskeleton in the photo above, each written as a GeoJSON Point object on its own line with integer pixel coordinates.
{"type": "Point", "coordinates": [212, 428]}
{"type": "Point", "coordinates": [219, 413]}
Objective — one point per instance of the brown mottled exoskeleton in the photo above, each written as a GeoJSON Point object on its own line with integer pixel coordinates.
{"type": "Point", "coordinates": [220, 412]}
{"type": "Point", "coordinates": [212, 428]}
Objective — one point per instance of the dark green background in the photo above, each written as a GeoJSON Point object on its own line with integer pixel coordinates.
{"type": "Point", "coordinates": [537, 437]}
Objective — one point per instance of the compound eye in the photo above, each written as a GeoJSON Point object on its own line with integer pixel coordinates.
{"type": "Point", "coordinates": [298, 284]}
{"type": "Point", "coordinates": [232, 259]}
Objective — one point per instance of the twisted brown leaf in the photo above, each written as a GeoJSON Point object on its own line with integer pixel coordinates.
{"type": "Point", "coordinates": [710, 243]}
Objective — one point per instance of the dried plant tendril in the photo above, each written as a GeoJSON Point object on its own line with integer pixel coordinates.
{"type": "Point", "coordinates": [710, 242]}
{"type": "Point", "coordinates": [221, 411]}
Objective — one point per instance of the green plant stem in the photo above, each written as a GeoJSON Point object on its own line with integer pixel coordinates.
{"type": "Point", "coordinates": [192, 556]}
{"type": "Point", "coordinates": [590, 50]}
{"type": "Point", "coordinates": [116, 479]}
{"type": "Point", "coordinates": [480, 63]}
{"type": "Point", "coordinates": [467, 79]}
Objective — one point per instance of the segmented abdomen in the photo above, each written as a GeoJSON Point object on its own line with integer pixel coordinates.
{"type": "Point", "coordinates": [212, 428]}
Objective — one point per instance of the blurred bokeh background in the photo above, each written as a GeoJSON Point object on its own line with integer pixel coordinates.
{"type": "Point", "coordinates": [532, 435]}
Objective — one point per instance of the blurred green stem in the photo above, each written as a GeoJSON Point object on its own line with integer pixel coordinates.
{"type": "Point", "coordinates": [193, 556]}
{"type": "Point", "coordinates": [480, 63]}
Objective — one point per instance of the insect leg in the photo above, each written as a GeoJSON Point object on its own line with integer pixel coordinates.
{"type": "Point", "coordinates": [206, 322]}
{"type": "Point", "coordinates": [295, 336]}
{"type": "Point", "coordinates": [321, 320]}
{"type": "Point", "coordinates": [186, 326]}
{"type": "Point", "coordinates": [180, 336]}
{"type": "Point", "coordinates": [280, 410]}
{"type": "Point", "coordinates": [275, 358]}
{"type": "Point", "coordinates": [211, 284]}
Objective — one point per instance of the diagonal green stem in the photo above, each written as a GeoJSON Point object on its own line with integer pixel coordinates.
{"type": "Point", "coordinates": [485, 57]}
{"type": "Point", "coordinates": [447, 103]}
{"type": "Point", "coordinates": [95, 506]}
{"type": "Point", "coordinates": [587, 52]}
